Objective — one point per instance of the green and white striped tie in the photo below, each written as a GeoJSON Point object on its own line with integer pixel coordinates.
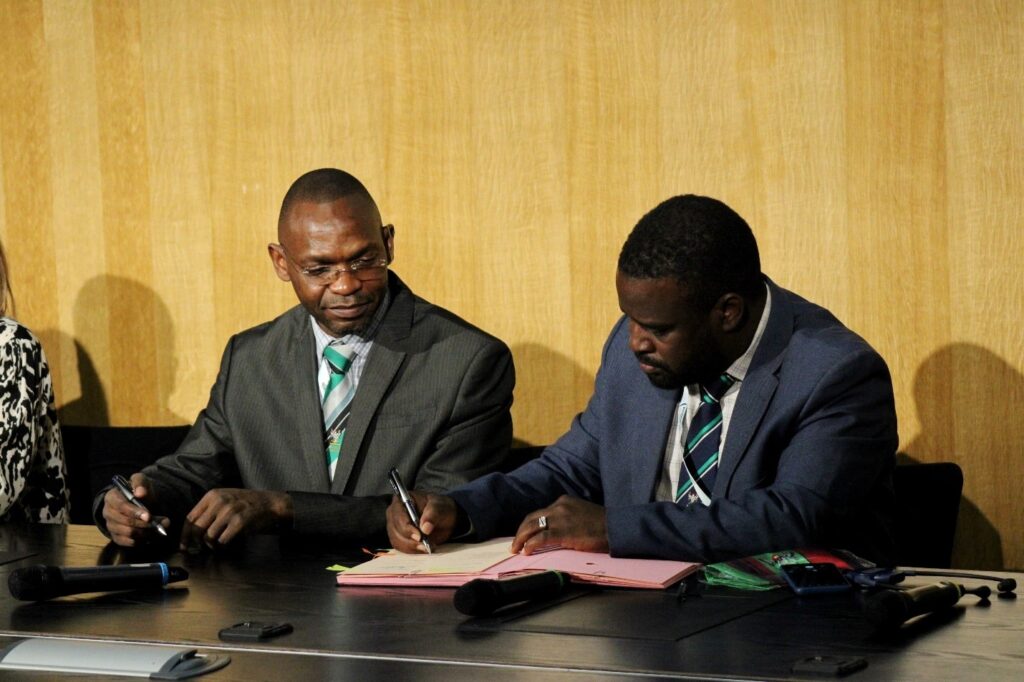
{"type": "Point", "coordinates": [337, 400]}
{"type": "Point", "coordinates": [701, 445]}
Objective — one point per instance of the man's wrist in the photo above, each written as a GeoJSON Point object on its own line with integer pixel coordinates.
{"type": "Point", "coordinates": [283, 511]}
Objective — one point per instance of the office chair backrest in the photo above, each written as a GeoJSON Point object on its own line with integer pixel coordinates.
{"type": "Point", "coordinates": [927, 506]}
{"type": "Point", "coordinates": [95, 454]}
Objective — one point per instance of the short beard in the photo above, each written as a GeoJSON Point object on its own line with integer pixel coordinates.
{"type": "Point", "coordinates": [664, 378]}
{"type": "Point", "coordinates": [667, 381]}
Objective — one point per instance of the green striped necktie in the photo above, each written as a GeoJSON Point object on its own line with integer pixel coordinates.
{"type": "Point", "coordinates": [337, 400]}
{"type": "Point", "coordinates": [700, 449]}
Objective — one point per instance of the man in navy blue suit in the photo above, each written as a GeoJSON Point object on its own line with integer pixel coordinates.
{"type": "Point", "coordinates": [729, 417]}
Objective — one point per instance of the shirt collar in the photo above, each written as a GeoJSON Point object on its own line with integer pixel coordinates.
{"type": "Point", "coordinates": [738, 369]}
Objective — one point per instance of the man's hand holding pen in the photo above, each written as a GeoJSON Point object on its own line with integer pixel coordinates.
{"type": "Point", "coordinates": [411, 510]}
{"type": "Point", "coordinates": [128, 521]}
{"type": "Point", "coordinates": [437, 515]}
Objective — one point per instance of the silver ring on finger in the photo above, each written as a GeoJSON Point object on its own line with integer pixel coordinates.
{"type": "Point", "coordinates": [543, 522]}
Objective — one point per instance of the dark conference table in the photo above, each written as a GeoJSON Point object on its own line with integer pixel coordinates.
{"type": "Point", "coordinates": [408, 633]}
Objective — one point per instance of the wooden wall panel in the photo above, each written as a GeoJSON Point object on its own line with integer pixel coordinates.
{"type": "Point", "coordinates": [980, 363]}
{"type": "Point", "coordinates": [26, 143]}
{"type": "Point", "coordinates": [875, 147]}
{"type": "Point", "coordinates": [79, 254]}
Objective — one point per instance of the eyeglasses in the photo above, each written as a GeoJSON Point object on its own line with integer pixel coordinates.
{"type": "Point", "coordinates": [365, 269]}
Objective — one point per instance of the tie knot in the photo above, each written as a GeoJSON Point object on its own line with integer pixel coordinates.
{"type": "Point", "coordinates": [339, 357]}
{"type": "Point", "coordinates": [717, 388]}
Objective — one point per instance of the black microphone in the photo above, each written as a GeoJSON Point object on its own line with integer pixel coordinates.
{"type": "Point", "coordinates": [37, 583]}
{"type": "Point", "coordinates": [889, 609]}
{"type": "Point", "coordinates": [482, 597]}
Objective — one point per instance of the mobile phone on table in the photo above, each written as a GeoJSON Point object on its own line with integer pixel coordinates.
{"type": "Point", "coordinates": [829, 666]}
{"type": "Point", "coordinates": [254, 631]}
{"type": "Point", "coordinates": [820, 578]}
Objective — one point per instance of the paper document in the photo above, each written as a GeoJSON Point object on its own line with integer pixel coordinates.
{"type": "Point", "coordinates": [456, 564]}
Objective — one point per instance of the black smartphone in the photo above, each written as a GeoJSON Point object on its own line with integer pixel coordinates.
{"type": "Point", "coordinates": [252, 631]}
{"type": "Point", "coordinates": [829, 666]}
{"type": "Point", "coordinates": [814, 578]}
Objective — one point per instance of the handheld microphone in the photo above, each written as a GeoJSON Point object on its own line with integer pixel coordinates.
{"type": "Point", "coordinates": [889, 609]}
{"type": "Point", "coordinates": [37, 583]}
{"type": "Point", "coordinates": [481, 597]}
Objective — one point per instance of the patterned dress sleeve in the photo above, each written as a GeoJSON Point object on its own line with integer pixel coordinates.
{"type": "Point", "coordinates": [32, 469]}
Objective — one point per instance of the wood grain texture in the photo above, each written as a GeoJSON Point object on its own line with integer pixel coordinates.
{"type": "Point", "coordinates": [876, 148]}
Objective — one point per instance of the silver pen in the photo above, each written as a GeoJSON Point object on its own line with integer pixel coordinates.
{"type": "Point", "coordinates": [121, 483]}
{"type": "Point", "coordinates": [410, 506]}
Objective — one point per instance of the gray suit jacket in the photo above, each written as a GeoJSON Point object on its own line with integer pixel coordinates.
{"type": "Point", "coordinates": [807, 460]}
{"type": "Point", "coordinates": [434, 401]}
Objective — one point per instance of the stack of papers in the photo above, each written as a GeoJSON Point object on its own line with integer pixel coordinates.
{"type": "Point", "coordinates": [456, 564]}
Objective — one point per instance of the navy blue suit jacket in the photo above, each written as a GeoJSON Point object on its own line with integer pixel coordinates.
{"type": "Point", "coordinates": [807, 461]}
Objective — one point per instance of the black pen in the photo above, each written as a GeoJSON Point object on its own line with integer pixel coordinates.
{"type": "Point", "coordinates": [410, 506]}
{"type": "Point", "coordinates": [122, 484]}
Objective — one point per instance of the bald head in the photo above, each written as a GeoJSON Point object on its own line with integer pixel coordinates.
{"type": "Point", "coordinates": [322, 186]}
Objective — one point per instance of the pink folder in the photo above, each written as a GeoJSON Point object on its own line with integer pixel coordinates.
{"type": "Point", "coordinates": [455, 565]}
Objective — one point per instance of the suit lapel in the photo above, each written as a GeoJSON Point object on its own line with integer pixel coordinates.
{"type": "Point", "coordinates": [651, 436]}
{"type": "Point", "coordinates": [299, 381]}
{"type": "Point", "coordinates": [385, 359]}
{"type": "Point", "coordinates": [757, 389]}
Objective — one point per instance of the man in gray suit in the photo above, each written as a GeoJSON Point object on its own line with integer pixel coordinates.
{"type": "Point", "coordinates": [311, 410]}
{"type": "Point", "coordinates": [709, 358]}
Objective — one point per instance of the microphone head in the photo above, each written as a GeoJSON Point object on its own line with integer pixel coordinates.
{"type": "Point", "coordinates": [35, 583]}
{"type": "Point", "coordinates": [477, 597]}
{"type": "Point", "coordinates": [887, 610]}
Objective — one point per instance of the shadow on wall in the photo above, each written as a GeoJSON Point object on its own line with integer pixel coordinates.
{"type": "Point", "coordinates": [133, 325]}
{"type": "Point", "coordinates": [92, 403]}
{"type": "Point", "coordinates": [551, 389]}
{"type": "Point", "coordinates": [968, 402]}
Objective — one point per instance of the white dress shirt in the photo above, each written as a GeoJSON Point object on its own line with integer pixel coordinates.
{"type": "Point", "coordinates": [672, 468]}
